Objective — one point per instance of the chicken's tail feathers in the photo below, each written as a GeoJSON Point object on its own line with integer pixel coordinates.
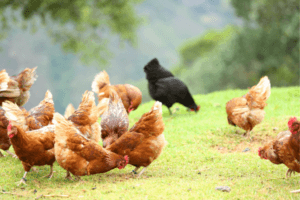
{"type": "Point", "coordinates": [85, 114]}
{"type": "Point", "coordinates": [88, 106]}
{"type": "Point", "coordinates": [264, 87]}
{"type": "Point", "coordinates": [65, 131]}
{"type": "Point", "coordinates": [27, 77]}
{"type": "Point", "coordinates": [45, 111]}
{"type": "Point", "coordinates": [157, 107]}
{"type": "Point", "coordinates": [87, 102]}
{"type": "Point", "coordinates": [115, 112]}
{"type": "Point", "coordinates": [100, 81]}
{"type": "Point", "coordinates": [14, 114]}
{"type": "Point", "coordinates": [151, 123]}
{"type": "Point", "coordinates": [259, 93]}
{"type": "Point", "coordinates": [62, 125]}
{"type": "Point", "coordinates": [4, 79]}
{"type": "Point", "coordinates": [48, 97]}
{"type": "Point", "coordinates": [114, 99]}
{"type": "Point", "coordinates": [69, 111]}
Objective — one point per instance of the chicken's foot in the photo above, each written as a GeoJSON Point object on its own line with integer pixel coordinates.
{"type": "Point", "coordinates": [135, 170]}
{"type": "Point", "coordinates": [68, 176]}
{"type": "Point", "coordinates": [23, 179]}
{"type": "Point", "coordinates": [1, 155]}
{"type": "Point", "coordinates": [10, 153]}
{"type": "Point", "coordinates": [289, 173]}
{"type": "Point", "coordinates": [247, 135]}
{"type": "Point", "coordinates": [50, 174]}
{"type": "Point", "coordinates": [143, 170]}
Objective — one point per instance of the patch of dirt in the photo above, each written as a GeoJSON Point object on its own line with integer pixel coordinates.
{"type": "Point", "coordinates": [256, 142]}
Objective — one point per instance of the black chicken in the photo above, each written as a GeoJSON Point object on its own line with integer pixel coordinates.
{"type": "Point", "coordinates": [166, 88]}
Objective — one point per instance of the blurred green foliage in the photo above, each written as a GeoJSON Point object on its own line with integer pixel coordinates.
{"type": "Point", "coordinates": [81, 27]}
{"type": "Point", "coordinates": [199, 46]}
{"type": "Point", "coordinates": [237, 57]}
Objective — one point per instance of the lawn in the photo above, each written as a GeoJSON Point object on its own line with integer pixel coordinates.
{"type": "Point", "coordinates": [203, 152]}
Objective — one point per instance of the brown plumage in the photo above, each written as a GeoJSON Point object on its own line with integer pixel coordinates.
{"type": "Point", "coordinates": [42, 114]}
{"type": "Point", "coordinates": [80, 155]}
{"type": "Point", "coordinates": [4, 139]}
{"type": "Point", "coordinates": [114, 121]}
{"type": "Point", "coordinates": [69, 111]}
{"type": "Point", "coordinates": [144, 142]}
{"type": "Point", "coordinates": [248, 111]}
{"type": "Point", "coordinates": [32, 147]}
{"type": "Point", "coordinates": [131, 96]}
{"type": "Point", "coordinates": [16, 88]}
{"type": "Point", "coordinates": [294, 142]}
{"type": "Point", "coordinates": [86, 116]}
{"type": "Point", "coordinates": [283, 150]}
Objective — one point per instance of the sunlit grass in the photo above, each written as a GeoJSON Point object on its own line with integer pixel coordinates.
{"type": "Point", "coordinates": [203, 152]}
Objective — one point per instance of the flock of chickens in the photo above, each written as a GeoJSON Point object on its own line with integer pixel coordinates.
{"type": "Point", "coordinates": [42, 136]}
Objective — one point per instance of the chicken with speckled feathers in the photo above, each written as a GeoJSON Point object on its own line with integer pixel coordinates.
{"type": "Point", "coordinates": [143, 143]}
{"type": "Point", "coordinates": [166, 88]}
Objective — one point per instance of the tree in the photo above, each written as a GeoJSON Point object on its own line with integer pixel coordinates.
{"type": "Point", "coordinates": [199, 46]}
{"type": "Point", "coordinates": [267, 45]}
{"type": "Point", "coordinates": [81, 27]}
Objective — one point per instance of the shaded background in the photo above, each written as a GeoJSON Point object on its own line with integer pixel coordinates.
{"type": "Point", "coordinates": [209, 44]}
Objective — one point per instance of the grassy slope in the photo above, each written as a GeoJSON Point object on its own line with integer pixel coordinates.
{"type": "Point", "coordinates": [203, 152]}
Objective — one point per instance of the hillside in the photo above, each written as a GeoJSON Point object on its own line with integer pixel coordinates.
{"type": "Point", "coordinates": [164, 27]}
{"type": "Point", "coordinates": [203, 152]}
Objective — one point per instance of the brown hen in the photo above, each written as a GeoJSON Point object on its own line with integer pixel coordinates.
{"type": "Point", "coordinates": [131, 96]}
{"type": "Point", "coordinates": [36, 118]}
{"type": "Point", "coordinates": [32, 147]}
{"type": "Point", "coordinates": [79, 155]}
{"type": "Point", "coordinates": [42, 114]}
{"type": "Point", "coordinates": [144, 142]}
{"type": "Point", "coordinates": [114, 121]}
{"type": "Point", "coordinates": [16, 88]}
{"type": "Point", "coordinates": [284, 149]}
{"type": "Point", "coordinates": [4, 139]}
{"type": "Point", "coordinates": [248, 111]}
{"type": "Point", "coordinates": [86, 116]}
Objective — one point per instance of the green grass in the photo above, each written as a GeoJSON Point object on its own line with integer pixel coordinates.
{"type": "Point", "coordinates": [203, 152]}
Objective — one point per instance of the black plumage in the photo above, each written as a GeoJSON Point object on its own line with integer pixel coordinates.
{"type": "Point", "coordinates": [166, 88]}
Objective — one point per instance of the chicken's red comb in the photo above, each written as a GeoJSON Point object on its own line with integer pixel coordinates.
{"type": "Point", "coordinates": [259, 151]}
{"type": "Point", "coordinates": [9, 126]}
{"type": "Point", "coordinates": [126, 158]}
{"type": "Point", "coordinates": [291, 121]}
